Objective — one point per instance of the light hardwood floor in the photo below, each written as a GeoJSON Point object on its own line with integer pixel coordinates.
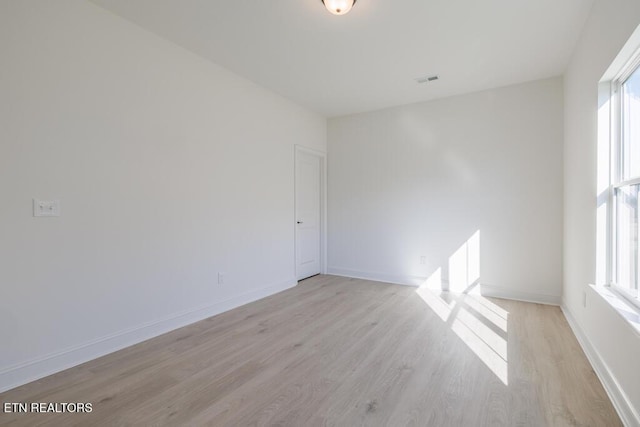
{"type": "Point", "coordinates": [342, 352]}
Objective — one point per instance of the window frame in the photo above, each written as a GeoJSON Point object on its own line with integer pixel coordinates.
{"type": "Point", "coordinates": [616, 180]}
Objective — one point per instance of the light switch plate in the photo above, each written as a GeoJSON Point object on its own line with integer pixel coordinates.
{"type": "Point", "coordinates": [46, 207]}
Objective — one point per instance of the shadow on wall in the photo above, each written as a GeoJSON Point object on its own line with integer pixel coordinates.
{"type": "Point", "coordinates": [478, 322]}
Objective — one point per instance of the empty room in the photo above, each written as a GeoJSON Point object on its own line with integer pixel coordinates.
{"type": "Point", "coordinates": [319, 213]}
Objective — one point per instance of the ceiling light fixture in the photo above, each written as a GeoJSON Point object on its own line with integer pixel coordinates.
{"type": "Point", "coordinates": [339, 7]}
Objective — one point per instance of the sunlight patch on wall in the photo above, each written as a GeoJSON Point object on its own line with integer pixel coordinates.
{"type": "Point", "coordinates": [464, 264]}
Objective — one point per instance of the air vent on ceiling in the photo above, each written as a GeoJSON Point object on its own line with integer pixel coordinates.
{"type": "Point", "coordinates": [427, 79]}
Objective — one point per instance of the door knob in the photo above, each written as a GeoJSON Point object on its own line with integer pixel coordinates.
{"type": "Point", "coordinates": [299, 222]}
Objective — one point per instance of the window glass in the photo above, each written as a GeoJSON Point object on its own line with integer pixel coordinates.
{"type": "Point", "coordinates": [630, 159]}
{"type": "Point", "coordinates": [627, 208]}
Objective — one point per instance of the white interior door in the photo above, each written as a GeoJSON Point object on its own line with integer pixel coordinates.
{"type": "Point", "coordinates": [308, 214]}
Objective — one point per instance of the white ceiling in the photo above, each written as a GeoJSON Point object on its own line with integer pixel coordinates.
{"type": "Point", "coordinates": [369, 58]}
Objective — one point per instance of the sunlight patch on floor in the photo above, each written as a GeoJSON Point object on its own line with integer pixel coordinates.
{"type": "Point", "coordinates": [478, 322]}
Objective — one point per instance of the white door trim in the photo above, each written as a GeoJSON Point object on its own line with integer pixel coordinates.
{"type": "Point", "coordinates": [322, 156]}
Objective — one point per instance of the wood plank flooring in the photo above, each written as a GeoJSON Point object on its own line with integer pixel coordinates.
{"type": "Point", "coordinates": [341, 352]}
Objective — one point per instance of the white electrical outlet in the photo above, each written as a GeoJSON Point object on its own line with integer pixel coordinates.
{"type": "Point", "coordinates": [423, 260]}
{"type": "Point", "coordinates": [46, 207]}
{"type": "Point", "coordinates": [220, 278]}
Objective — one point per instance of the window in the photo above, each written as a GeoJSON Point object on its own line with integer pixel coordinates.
{"type": "Point", "coordinates": [625, 187]}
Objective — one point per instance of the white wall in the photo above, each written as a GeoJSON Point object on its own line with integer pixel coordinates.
{"type": "Point", "coordinates": [170, 169]}
{"type": "Point", "coordinates": [420, 180]}
{"type": "Point", "coordinates": [616, 346]}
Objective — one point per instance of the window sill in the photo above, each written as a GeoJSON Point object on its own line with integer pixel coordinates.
{"type": "Point", "coordinates": [629, 312]}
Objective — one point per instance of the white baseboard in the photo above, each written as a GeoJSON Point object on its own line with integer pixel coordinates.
{"type": "Point", "coordinates": [621, 402]}
{"type": "Point", "coordinates": [377, 277]}
{"type": "Point", "coordinates": [504, 293]}
{"type": "Point", "coordinates": [40, 367]}
{"type": "Point", "coordinates": [486, 290]}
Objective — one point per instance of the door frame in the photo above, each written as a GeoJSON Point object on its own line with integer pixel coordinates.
{"type": "Point", "coordinates": [322, 156]}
